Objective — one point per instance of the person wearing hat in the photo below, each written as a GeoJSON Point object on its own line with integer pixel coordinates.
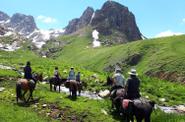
{"type": "Point", "coordinates": [56, 74]}
{"type": "Point", "coordinates": [28, 71]}
{"type": "Point", "coordinates": [132, 85]}
{"type": "Point", "coordinates": [118, 81]}
{"type": "Point", "coordinates": [71, 74]}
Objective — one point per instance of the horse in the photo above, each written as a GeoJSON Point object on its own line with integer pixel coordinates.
{"type": "Point", "coordinates": [116, 97]}
{"type": "Point", "coordinates": [140, 108]}
{"type": "Point", "coordinates": [115, 94]}
{"type": "Point", "coordinates": [26, 85]}
{"type": "Point", "coordinates": [56, 82]}
{"type": "Point", "coordinates": [74, 86]}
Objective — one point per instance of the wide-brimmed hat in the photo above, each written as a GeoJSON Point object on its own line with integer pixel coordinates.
{"type": "Point", "coordinates": [133, 72]}
{"type": "Point", "coordinates": [118, 70]}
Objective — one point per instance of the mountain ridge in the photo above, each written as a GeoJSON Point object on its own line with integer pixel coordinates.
{"type": "Point", "coordinates": [25, 26]}
{"type": "Point", "coordinates": [113, 20]}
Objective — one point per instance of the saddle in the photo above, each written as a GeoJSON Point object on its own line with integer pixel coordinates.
{"type": "Point", "coordinates": [125, 102]}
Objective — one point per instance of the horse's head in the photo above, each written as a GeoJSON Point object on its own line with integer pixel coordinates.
{"type": "Point", "coordinates": [37, 77]}
{"type": "Point", "coordinates": [109, 80]}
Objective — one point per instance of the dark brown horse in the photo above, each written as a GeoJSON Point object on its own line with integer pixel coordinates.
{"type": "Point", "coordinates": [116, 98]}
{"type": "Point", "coordinates": [26, 85]}
{"type": "Point", "coordinates": [116, 95]}
{"type": "Point", "coordinates": [56, 82]}
{"type": "Point", "coordinates": [140, 108]}
{"type": "Point", "coordinates": [74, 86]}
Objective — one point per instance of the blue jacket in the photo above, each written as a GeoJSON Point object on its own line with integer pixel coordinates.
{"type": "Point", "coordinates": [71, 75]}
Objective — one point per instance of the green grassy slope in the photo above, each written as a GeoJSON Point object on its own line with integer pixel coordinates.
{"type": "Point", "coordinates": [161, 57]}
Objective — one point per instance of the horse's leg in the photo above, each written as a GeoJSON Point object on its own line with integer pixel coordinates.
{"type": "Point", "coordinates": [139, 119]}
{"type": "Point", "coordinates": [75, 89]}
{"type": "Point", "coordinates": [59, 88]}
{"type": "Point", "coordinates": [23, 95]}
{"type": "Point", "coordinates": [18, 92]}
{"type": "Point", "coordinates": [147, 119]}
{"type": "Point", "coordinates": [79, 89]}
{"type": "Point", "coordinates": [29, 97]}
{"type": "Point", "coordinates": [112, 104]}
{"type": "Point", "coordinates": [50, 86]}
{"type": "Point", "coordinates": [54, 88]}
{"type": "Point", "coordinates": [70, 90]}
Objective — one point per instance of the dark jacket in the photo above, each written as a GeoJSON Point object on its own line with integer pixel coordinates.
{"type": "Point", "coordinates": [132, 86]}
{"type": "Point", "coordinates": [27, 72]}
{"type": "Point", "coordinates": [78, 77]}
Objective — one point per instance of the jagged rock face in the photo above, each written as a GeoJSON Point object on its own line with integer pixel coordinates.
{"type": "Point", "coordinates": [2, 31]}
{"type": "Point", "coordinates": [3, 16]}
{"type": "Point", "coordinates": [114, 16]}
{"type": "Point", "coordinates": [81, 22]}
{"type": "Point", "coordinates": [86, 17]}
{"type": "Point", "coordinates": [22, 23]}
{"type": "Point", "coordinates": [112, 20]}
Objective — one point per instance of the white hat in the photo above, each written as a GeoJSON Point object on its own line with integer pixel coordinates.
{"type": "Point", "coordinates": [133, 72]}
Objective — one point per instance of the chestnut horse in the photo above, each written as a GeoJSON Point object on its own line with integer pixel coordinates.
{"type": "Point", "coordinates": [26, 85]}
{"type": "Point", "coordinates": [74, 86]}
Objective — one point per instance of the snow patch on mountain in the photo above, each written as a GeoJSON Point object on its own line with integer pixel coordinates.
{"type": "Point", "coordinates": [40, 37]}
{"type": "Point", "coordinates": [95, 35]}
{"type": "Point", "coordinates": [9, 47]}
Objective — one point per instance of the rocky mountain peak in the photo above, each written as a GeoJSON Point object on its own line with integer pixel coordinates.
{"type": "Point", "coordinates": [81, 22]}
{"type": "Point", "coordinates": [24, 24]}
{"type": "Point", "coordinates": [3, 16]}
{"type": "Point", "coordinates": [114, 18]}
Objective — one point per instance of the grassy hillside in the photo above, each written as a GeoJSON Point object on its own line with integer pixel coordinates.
{"type": "Point", "coordinates": [161, 57]}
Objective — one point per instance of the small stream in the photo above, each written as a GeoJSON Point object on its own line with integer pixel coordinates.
{"type": "Point", "coordinates": [179, 109]}
{"type": "Point", "coordinates": [87, 94]}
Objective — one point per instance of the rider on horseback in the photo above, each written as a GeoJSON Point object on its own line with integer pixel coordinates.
{"type": "Point", "coordinates": [118, 82]}
{"type": "Point", "coordinates": [57, 74]}
{"type": "Point", "coordinates": [132, 85]}
{"type": "Point", "coordinates": [71, 74]}
{"type": "Point", "coordinates": [28, 71]}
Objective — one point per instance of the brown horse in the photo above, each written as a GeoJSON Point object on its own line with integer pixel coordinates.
{"type": "Point", "coordinates": [26, 85]}
{"type": "Point", "coordinates": [74, 86]}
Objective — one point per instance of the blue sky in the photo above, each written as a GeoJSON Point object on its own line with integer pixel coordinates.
{"type": "Point", "coordinates": [153, 17]}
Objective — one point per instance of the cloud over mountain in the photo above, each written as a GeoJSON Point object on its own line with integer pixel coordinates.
{"type": "Point", "coordinates": [46, 19]}
{"type": "Point", "coordinates": [168, 33]}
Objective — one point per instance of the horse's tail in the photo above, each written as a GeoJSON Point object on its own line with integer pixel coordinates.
{"type": "Point", "coordinates": [18, 91]}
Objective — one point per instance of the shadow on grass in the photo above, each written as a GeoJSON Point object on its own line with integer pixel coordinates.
{"type": "Point", "coordinates": [71, 98]}
{"type": "Point", "coordinates": [117, 116]}
{"type": "Point", "coordinates": [27, 104]}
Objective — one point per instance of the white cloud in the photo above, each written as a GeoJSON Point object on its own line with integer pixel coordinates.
{"type": "Point", "coordinates": [46, 19]}
{"type": "Point", "coordinates": [183, 20]}
{"type": "Point", "coordinates": [168, 33]}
